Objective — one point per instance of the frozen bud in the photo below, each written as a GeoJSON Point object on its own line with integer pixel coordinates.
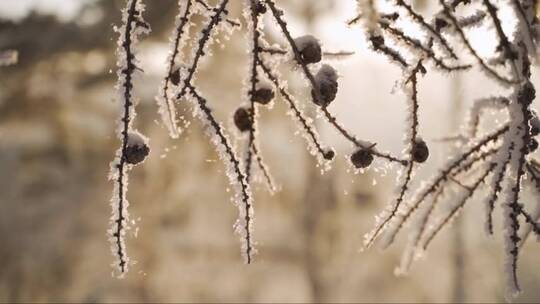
{"type": "Point", "coordinates": [263, 94]}
{"type": "Point", "coordinates": [175, 76]}
{"type": "Point", "coordinates": [440, 23]}
{"type": "Point", "coordinates": [260, 8]}
{"type": "Point", "coordinates": [532, 146]}
{"type": "Point", "coordinates": [326, 81]}
{"type": "Point", "coordinates": [392, 16]}
{"type": "Point", "coordinates": [527, 93]}
{"type": "Point", "coordinates": [377, 41]}
{"type": "Point", "coordinates": [137, 148]}
{"type": "Point", "coordinates": [362, 158]}
{"type": "Point", "coordinates": [309, 48]}
{"type": "Point", "coordinates": [329, 154]}
{"type": "Point", "coordinates": [420, 151]}
{"type": "Point", "coordinates": [242, 120]}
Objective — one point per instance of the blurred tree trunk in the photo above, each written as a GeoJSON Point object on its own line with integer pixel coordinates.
{"type": "Point", "coordinates": [459, 293]}
{"type": "Point", "coordinates": [320, 202]}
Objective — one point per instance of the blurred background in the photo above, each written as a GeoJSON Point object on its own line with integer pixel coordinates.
{"type": "Point", "coordinates": [57, 121]}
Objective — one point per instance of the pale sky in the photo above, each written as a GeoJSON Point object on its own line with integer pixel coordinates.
{"type": "Point", "coordinates": [64, 9]}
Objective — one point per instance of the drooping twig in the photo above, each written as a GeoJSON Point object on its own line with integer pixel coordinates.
{"type": "Point", "coordinates": [237, 178]}
{"type": "Point", "coordinates": [411, 138]}
{"type": "Point", "coordinates": [416, 44]}
{"type": "Point", "coordinates": [433, 32]}
{"type": "Point", "coordinates": [243, 198]}
{"type": "Point", "coordinates": [253, 80]}
{"type": "Point", "coordinates": [200, 51]}
{"type": "Point", "coordinates": [165, 103]}
{"type": "Point", "coordinates": [133, 26]}
{"type": "Point", "coordinates": [470, 191]}
{"type": "Point", "coordinates": [311, 135]}
{"type": "Point", "coordinates": [432, 186]}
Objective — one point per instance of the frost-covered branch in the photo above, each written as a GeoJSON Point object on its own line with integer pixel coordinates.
{"type": "Point", "coordinates": [502, 156]}
{"type": "Point", "coordinates": [431, 30]}
{"type": "Point", "coordinates": [315, 147]}
{"type": "Point", "coordinates": [306, 50]}
{"type": "Point", "coordinates": [257, 93]}
{"type": "Point", "coordinates": [415, 149]}
{"type": "Point", "coordinates": [134, 146]}
{"type": "Point", "coordinates": [489, 70]}
{"type": "Point", "coordinates": [184, 80]}
{"type": "Point", "coordinates": [499, 162]}
{"type": "Point", "coordinates": [243, 197]}
{"type": "Point", "coordinates": [205, 37]}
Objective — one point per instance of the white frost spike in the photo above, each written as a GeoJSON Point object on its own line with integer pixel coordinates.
{"type": "Point", "coordinates": [133, 26]}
